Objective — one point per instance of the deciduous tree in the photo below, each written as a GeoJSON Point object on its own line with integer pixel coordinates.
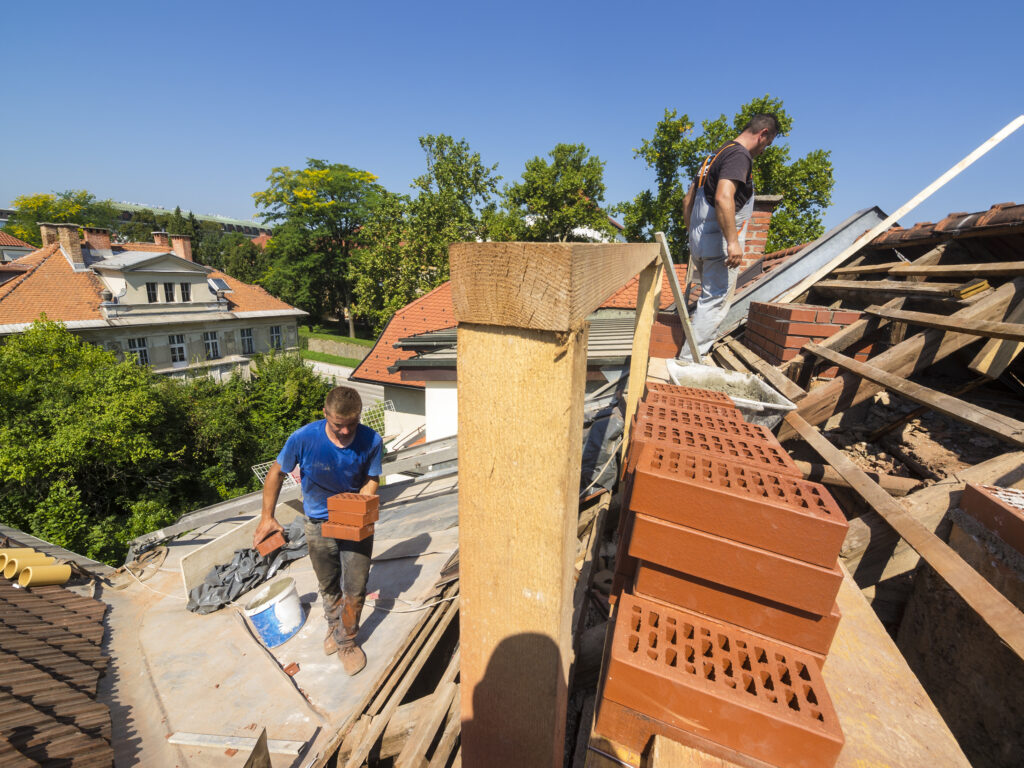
{"type": "Point", "coordinates": [73, 206]}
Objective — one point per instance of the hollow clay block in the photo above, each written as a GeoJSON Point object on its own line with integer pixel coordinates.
{"type": "Point", "coordinates": [763, 699]}
{"type": "Point", "coordinates": [346, 532]}
{"type": "Point", "coordinates": [775, 577]}
{"type": "Point", "coordinates": [689, 393]}
{"type": "Point", "coordinates": [270, 544]}
{"type": "Point", "coordinates": [354, 509]}
{"type": "Point", "coordinates": [793, 517]}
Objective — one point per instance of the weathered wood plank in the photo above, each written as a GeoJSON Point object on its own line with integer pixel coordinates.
{"type": "Point", "coordinates": [771, 374]}
{"type": "Point", "coordinates": [893, 287]}
{"type": "Point", "coordinates": [994, 609]}
{"type": "Point", "coordinates": [967, 271]}
{"type": "Point", "coordinates": [540, 286]}
{"type": "Point", "coordinates": [906, 358]}
{"type": "Point", "coordinates": [869, 269]}
{"type": "Point", "coordinates": [996, 356]}
{"type": "Point", "coordinates": [987, 421]}
{"type": "Point", "coordinates": [988, 329]}
{"type": "Point", "coordinates": [823, 473]}
{"type": "Point", "coordinates": [678, 296]}
{"type": "Point", "coordinates": [648, 293]}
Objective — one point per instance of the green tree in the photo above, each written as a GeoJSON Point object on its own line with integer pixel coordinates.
{"type": "Point", "coordinates": [140, 227]}
{"type": "Point", "coordinates": [321, 210]}
{"type": "Point", "coordinates": [240, 257]}
{"type": "Point", "coordinates": [385, 280]}
{"type": "Point", "coordinates": [554, 200]}
{"type": "Point", "coordinates": [73, 206]}
{"type": "Point", "coordinates": [675, 155]}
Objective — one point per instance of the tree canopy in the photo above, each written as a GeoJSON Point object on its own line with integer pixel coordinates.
{"type": "Point", "coordinates": [675, 154]}
{"type": "Point", "coordinates": [555, 200]}
{"type": "Point", "coordinates": [73, 206]}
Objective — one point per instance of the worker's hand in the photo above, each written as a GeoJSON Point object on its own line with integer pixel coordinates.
{"type": "Point", "coordinates": [266, 527]}
{"type": "Point", "coordinates": [734, 255]}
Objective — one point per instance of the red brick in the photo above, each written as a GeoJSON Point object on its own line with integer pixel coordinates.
{"type": "Point", "coordinates": [828, 373]}
{"type": "Point", "coordinates": [704, 407]}
{"type": "Point", "coordinates": [690, 393]}
{"type": "Point", "coordinates": [824, 316]}
{"type": "Point", "coordinates": [727, 685]}
{"type": "Point", "coordinates": [346, 532]}
{"type": "Point", "coordinates": [713, 494]}
{"type": "Point", "coordinates": [788, 354]}
{"type": "Point", "coordinates": [1001, 510]}
{"type": "Point", "coordinates": [754, 445]}
{"type": "Point", "coordinates": [727, 425]}
{"type": "Point", "coordinates": [270, 544]}
{"type": "Point", "coordinates": [800, 313]}
{"type": "Point", "coordinates": [353, 519]}
{"type": "Point", "coordinates": [813, 329]}
{"type": "Point", "coordinates": [810, 631]}
{"type": "Point", "coordinates": [845, 317]}
{"type": "Point", "coordinates": [781, 579]}
{"type": "Point", "coordinates": [354, 503]}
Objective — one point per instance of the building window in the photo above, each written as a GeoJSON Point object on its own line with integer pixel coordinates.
{"type": "Point", "coordinates": [186, 292]}
{"type": "Point", "coordinates": [137, 347]}
{"type": "Point", "coordinates": [177, 343]}
{"type": "Point", "coordinates": [168, 292]}
{"type": "Point", "coordinates": [212, 345]}
{"type": "Point", "coordinates": [151, 292]}
{"type": "Point", "coordinates": [248, 347]}
{"type": "Point", "coordinates": [275, 336]}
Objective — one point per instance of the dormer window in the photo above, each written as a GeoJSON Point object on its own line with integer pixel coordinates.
{"type": "Point", "coordinates": [186, 291]}
{"type": "Point", "coordinates": [169, 292]}
{"type": "Point", "coordinates": [151, 292]}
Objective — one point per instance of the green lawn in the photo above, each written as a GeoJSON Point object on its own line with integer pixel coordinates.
{"type": "Point", "coordinates": [323, 357]}
{"type": "Point", "coordinates": [306, 333]}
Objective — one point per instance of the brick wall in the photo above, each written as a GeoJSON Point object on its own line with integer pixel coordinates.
{"type": "Point", "coordinates": [757, 228]}
{"type": "Point", "coordinates": [777, 332]}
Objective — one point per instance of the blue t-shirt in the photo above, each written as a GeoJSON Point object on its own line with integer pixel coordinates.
{"type": "Point", "coordinates": [327, 469]}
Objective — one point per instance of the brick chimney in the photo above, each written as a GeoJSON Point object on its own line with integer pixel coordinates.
{"type": "Point", "coordinates": [161, 238]}
{"type": "Point", "coordinates": [71, 243]}
{"type": "Point", "coordinates": [182, 246]}
{"type": "Point", "coordinates": [48, 232]}
{"type": "Point", "coordinates": [757, 228]}
{"type": "Point", "coordinates": [97, 238]}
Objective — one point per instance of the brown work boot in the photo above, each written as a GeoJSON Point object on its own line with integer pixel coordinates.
{"type": "Point", "coordinates": [350, 655]}
{"type": "Point", "coordinates": [332, 612]}
{"type": "Point", "coordinates": [352, 658]}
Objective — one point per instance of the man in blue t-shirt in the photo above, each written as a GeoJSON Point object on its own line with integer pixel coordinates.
{"type": "Point", "coordinates": [335, 455]}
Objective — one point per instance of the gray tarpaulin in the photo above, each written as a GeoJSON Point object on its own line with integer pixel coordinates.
{"type": "Point", "coordinates": [247, 569]}
{"type": "Point", "coordinates": [601, 440]}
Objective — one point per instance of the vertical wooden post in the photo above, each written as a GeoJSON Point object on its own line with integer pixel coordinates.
{"type": "Point", "coordinates": [522, 349]}
{"type": "Point", "coordinates": [647, 294]}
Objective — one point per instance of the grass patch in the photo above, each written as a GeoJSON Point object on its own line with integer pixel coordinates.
{"type": "Point", "coordinates": [306, 333]}
{"type": "Point", "coordinates": [323, 357]}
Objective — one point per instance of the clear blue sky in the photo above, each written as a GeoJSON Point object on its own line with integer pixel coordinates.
{"type": "Point", "coordinates": [192, 104]}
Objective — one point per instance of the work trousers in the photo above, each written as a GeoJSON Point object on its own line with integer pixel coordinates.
{"type": "Point", "coordinates": [718, 283]}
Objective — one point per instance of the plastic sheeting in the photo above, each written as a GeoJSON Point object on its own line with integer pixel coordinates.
{"type": "Point", "coordinates": [601, 440]}
{"type": "Point", "coordinates": [247, 569]}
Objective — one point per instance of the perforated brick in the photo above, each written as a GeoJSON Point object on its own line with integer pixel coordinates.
{"type": "Point", "coordinates": [703, 407]}
{"type": "Point", "coordinates": [764, 509]}
{"type": "Point", "coordinates": [808, 631]}
{"type": "Point", "coordinates": [690, 393]}
{"type": "Point", "coordinates": [353, 503]}
{"type": "Point", "coordinates": [754, 452]}
{"type": "Point", "coordinates": [762, 699]}
{"type": "Point", "coordinates": [346, 532]}
{"type": "Point", "coordinates": [768, 575]}
{"type": "Point", "coordinates": [667, 414]}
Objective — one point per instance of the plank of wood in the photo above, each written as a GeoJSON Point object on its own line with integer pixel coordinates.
{"type": "Point", "coordinates": [988, 329]}
{"type": "Point", "coordinates": [993, 608]}
{"type": "Point", "coordinates": [248, 743]}
{"type": "Point", "coordinates": [452, 728]}
{"type": "Point", "coordinates": [995, 269]}
{"type": "Point", "coordinates": [987, 421]}
{"type": "Point", "coordinates": [869, 269]}
{"type": "Point", "coordinates": [918, 412]}
{"type": "Point", "coordinates": [540, 286]}
{"type": "Point", "coordinates": [647, 295]}
{"type": "Point", "coordinates": [770, 373]}
{"type": "Point", "coordinates": [903, 210]}
{"type": "Point", "coordinates": [725, 358]}
{"type": "Point", "coordinates": [905, 359]}
{"type": "Point", "coordinates": [996, 356]}
{"type": "Point", "coordinates": [678, 296]}
{"type": "Point", "coordinates": [665, 753]}
{"type": "Point", "coordinates": [520, 449]}
{"type": "Point", "coordinates": [893, 287]}
{"type": "Point", "coordinates": [823, 473]}
{"type": "Point", "coordinates": [413, 754]}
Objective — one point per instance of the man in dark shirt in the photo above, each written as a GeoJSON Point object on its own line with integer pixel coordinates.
{"type": "Point", "coordinates": [716, 210]}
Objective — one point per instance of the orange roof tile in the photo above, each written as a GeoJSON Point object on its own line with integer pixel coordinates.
{"type": "Point", "coordinates": [249, 298]}
{"type": "Point", "coordinates": [53, 287]}
{"type": "Point", "coordinates": [261, 241]}
{"type": "Point", "coordinates": [11, 240]}
{"type": "Point", "coordinates": [625, 297]}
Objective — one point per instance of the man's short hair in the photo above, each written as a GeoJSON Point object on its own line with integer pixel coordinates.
{"type": "Point", "coordinates": [343, 401]}
{"type": "Point", "coordinates": [760, 121]}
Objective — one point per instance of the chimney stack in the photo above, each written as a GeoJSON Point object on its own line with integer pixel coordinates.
{"type": "Point", "coordinates": [757, 228]}
{"type": "Point", "coordinates": [97, 238]}
{"type": "Point", "coordinates": [160, 238]}
{"type": "Point", "coordinates": [71, 243]}
{"type": "Point", "coordinates": [182, 246]}
{"type": "Point", "coordinates": [48, 232]}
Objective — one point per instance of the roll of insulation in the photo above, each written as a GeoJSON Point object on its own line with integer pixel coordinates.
{"type": "Point", "coordinates": [41, 575]}
{"type": "Point", "coordinates": [16, 565]}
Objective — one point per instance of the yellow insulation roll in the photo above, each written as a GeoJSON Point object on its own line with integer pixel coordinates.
{"type": "Point", "coordinates": [41, 575]}
{"type": "Point", "coordinates": [16, 565]}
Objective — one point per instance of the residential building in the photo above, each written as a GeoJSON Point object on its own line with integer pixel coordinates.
{"type": "Point", "coordinates": [12, 248]}
{"type": "Point", "coordinates": [149, 301]}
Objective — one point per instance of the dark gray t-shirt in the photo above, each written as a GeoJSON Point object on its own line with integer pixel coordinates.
{"type": "Point", "coordinates": [734, 163]}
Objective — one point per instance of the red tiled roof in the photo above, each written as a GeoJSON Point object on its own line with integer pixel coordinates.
{"type": "Point", "coordinates": [430, 312]}
{"type": "Point", "coordinates": [261, 241]}
{"type": "Point", "coordinates": [1000, 219]}
{"type": "Point", "coordinates": [625, 297]}
{"type": "Point", "coordinates": [249, 298]}
{"type": "Point", "coordinates": [11, 240]}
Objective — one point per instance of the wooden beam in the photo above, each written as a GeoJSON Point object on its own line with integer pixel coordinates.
{"type": "Point", "coordinates": [869, 269]}
{"type": "Point", "coordinates": [908, 357]}
{"type": "Point", "coordinates": [771, 374]}
{"type": "Point", "coordinates": [988, 329]}
{"type": "Point", "coordinates": [903, 210]}
{"type": "Point", "coordinates": [996, 356]}
{"type": "Point", "coordinates": [540, 286]}
{"type": "Point", "coordinates": [893, 287]}
{"type": "Point", "coordinates": [823, 473]}
{"type": "Point", "coordinates": [520, 447]}
{"type": "Point", "coordinates": [678, 296]}
{"type": "Point", "coordinates": [967, 271]}
{"type": "Point", "coordinates": [647, 295]}
{"type": "Point", "coordinates": [993, 608]}
{"type": "Point", "coordinates": [722, 355]}
{"type": "Point", "coordinates": [987, 421]}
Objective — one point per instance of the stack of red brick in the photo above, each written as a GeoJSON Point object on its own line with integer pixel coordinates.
{"type": "Point", "coordinates": [351, 516]}
{"type": "Point", "coordinates": [777, 332]}
{"type": "Point", "coordinates": [725, 593]}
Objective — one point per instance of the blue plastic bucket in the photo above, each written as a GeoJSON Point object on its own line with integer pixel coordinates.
{"type": "Point", "coordinates": [276, 612]}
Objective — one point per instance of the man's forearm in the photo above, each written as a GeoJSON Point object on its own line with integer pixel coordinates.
{"type": "Point", "coordinates": [371, 486]}
{"type": "Point", "coordinates": [725, 212]}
